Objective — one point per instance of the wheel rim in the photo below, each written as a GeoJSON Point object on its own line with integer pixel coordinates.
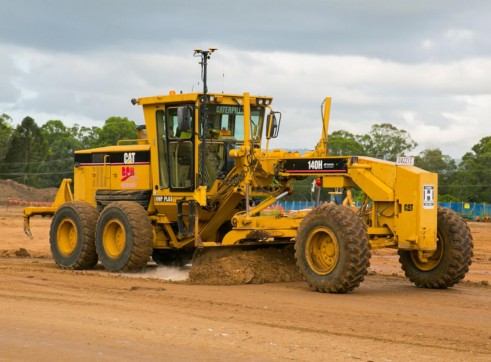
{"type": "Point", "coordinates": [322, 250]}
{"type": "Point", "coordinates": [431, 261]}
{"type": "Point", "coordinates": [67, 237]}
{"type": "Point", "coordinates": [114, 238]}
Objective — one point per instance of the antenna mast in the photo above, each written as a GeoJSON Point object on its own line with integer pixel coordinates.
{"type": "Point", "coordinates": [203, 111]}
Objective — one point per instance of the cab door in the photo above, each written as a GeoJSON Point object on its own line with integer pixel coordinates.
{"type": "Point", "coordinates": [180, 146]}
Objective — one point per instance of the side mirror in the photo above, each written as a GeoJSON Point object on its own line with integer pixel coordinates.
{"type": "Point", "coordinates": [184, 117]}
{"type": "Point", "coordinates": [273, 125]}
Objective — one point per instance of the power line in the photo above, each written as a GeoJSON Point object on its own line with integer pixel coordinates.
{"type": "Point", "coordinates": [35, 173]}
{"type": "Point", "coordinates": [36, 162]}
{"type": "Point", "coordinates": [465, 185]}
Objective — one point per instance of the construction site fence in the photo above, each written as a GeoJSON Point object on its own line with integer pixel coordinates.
{"type": "Point", "coordinates": [12, 202]}
{"type": "Point", "coordinates": [470, 210]}
{"type": "Point", "coordinates": [465, 209]}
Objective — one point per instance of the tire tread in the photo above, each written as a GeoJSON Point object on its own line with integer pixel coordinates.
{"type": "Point", "coordinates": [355, 238]}
{"type": "Point", "coordinates": [458, 260]}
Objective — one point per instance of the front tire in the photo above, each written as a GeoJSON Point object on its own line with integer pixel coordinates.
{"type": "Point", "coordinates": [332, 249]}
{"type": "Point", "coordinates": [124, 236]}
{"type": "Point", "coordinates": [448, 265]}
{"type": "Point", "coordinates": [71, 236]}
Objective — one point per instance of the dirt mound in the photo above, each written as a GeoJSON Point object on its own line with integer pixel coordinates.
{"type": "Point", "coordinates": [22, 253]}
{"type": "Point", "coordinates": [11, 190]}
{"type": "Point", "coordinates": [269, 265]}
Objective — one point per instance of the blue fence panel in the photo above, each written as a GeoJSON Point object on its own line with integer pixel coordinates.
{"type": "Point", "coordinates": [469, 209]}
{"type": "Point", "coordinates": [466, 209]}
{"type": "Point", "coordinates": [295, 205]}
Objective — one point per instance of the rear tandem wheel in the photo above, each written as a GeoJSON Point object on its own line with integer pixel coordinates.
{"type": "Point", "coordinates": [332, 249]}
{"type": "Point", "coordinates": [449, 263]}
{"type": "Point", "coordinates": [71, 236]}
{"type": "Point", "coordinates": [124, 236]}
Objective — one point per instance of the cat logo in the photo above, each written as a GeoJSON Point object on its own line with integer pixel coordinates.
{"type": "Point", "coordinates": [129, 158]}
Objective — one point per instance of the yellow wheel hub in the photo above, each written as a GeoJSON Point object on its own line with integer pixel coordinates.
{"type": "Point", "coordinates": [428, 262]}
{"type": "Point", "coordinates": [114, 238]}
{"type": "Point", "coordinates": [67, 237]}
{"type": "Point", "coordinates": [322, 250]}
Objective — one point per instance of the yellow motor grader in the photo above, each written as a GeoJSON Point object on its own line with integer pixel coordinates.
{"type": "Point", "coordinates": [198, 177]}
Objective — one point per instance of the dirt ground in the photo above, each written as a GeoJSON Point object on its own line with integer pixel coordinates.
{"type": "Point", "coordinates": [50, 314]}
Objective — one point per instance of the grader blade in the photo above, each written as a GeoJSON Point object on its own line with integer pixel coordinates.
{"type": "Point", "coordinates": [245, 264]}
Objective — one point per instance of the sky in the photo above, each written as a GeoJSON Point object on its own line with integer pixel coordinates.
{"type": "Point", "coordinates": [423, 66]}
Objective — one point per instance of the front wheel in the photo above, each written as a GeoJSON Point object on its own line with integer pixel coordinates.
{"type": "Point", "coordinates": [449, 263]}
{"type": "Point", "coordinates": [71, 236]}
{"type": "Point", "coordinates": [332, 249]}
{"type": "Point", "coordinates": [124, 236]}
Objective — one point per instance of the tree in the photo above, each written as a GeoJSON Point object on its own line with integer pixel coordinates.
{"type": "Point", "coordinates": [62, 143]}
{"type": "Point", "coordinates": [473, 179]}
{"type": "Point", "coordinates": [344, 143]}
{"type": "Point", "coordinates": [434, 160]}
{"type": "Point", "coordinates": [386, 142]}
{"type": "Point", "coordinates": [114, 129]}
{"type": "Point", "coordinates": [6, 131]}
{"type": "Point", "coordinates": [27, 150]}
{"type": "Point", "coordinates": [87, 136]}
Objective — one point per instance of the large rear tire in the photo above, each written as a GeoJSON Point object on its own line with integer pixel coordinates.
{"type": "Point", "coordinates": [332, 249]}
{"type": "Point", "coordinates": [449, 263]}
{"type": "Point", "coordinates": [71, 236]}
{"type": "Point", "coordinates": [124, 236]}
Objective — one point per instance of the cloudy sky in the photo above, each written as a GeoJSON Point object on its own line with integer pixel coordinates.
{"type": "Point", "coordinates": [422, 65]}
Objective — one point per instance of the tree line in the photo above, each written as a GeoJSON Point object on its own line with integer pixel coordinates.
{"type": "Point", "coordinates": [41, 156]}
{"type": "Point", "coordinates": [468, 180]}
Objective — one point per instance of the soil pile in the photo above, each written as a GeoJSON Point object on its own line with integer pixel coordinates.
{"type": "Point", "coordinates": [11, 190]}
{"type": "Point", "coordinates": [268, 265]}
{"type": "Point", "coordinates": [19, 253]}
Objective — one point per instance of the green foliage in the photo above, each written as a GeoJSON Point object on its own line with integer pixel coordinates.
{"type": "Point", "coordinates": [43, 156]}
{"type": "Point", "coordinates": [343, 143]}
{"type": "Point", "coordinates": [25, 153]}
{"type": "Point", "coordinates": [447, 198]}
{"type": "Point", "coordinates": [114, 129]}
{"type": "Point", "coordinates": [434, 160]}
{"type": "Point", "coordinates": [386, 142]}
{"type": "Point", "coordinates": [472, 181]}
{"type": "Point", "coordinates": [62, 143]}
{"type": "Point", "coordinates": [6, 131]}
{"type": "Point", "coordinates": [87, 136]}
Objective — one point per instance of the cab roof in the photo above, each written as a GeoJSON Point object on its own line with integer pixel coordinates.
{"type": "Point", "coordinates": [172, 97]}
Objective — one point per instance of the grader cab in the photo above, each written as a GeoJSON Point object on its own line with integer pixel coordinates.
{"type": "Point", "coordinates": [196, 183]}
